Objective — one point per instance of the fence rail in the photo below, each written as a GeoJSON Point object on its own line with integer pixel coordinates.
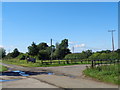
{"type": "Point", "coordinates": [65, 61]}
{"type": "Point", "coordinates": [75, 61]}
{"type": "Point", "coordinates": [104, 61]}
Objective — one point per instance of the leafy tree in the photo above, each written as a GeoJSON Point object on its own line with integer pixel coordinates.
{"type": "Point", "coordinates": [104, 51]}
{"type": "Point", "coordinates": [42, 46]}
{"type": "Point", "coordinates": [8, 56]}
{"type": "Point", "coordinates": [104, 56]}
{"type": "Point", "coordinates": [64, 52]}
{"type": "Point", "coordinates": [56, 54]}
{"type": "Point", "coordinates": [33, 50]}
{"type": "Point", "coordinates": [64, 44]}
{"type": "Point", "coordinates": [43, 55]}
{"type": "Point", "coordinates": [108, 51]}
{"type": "Point", "coordinates": [118, 51]}
{"type": "Point", "coordinates": [94, 56]}
{"type": "Point", "coordinates": [114, 55]}
{"type": "Point", "coordinates": [87, 53]}
{"type": "Point", "coordinates": [22, 56]}
{"type": "Point", "coordinates": [15, 53]}
{"type": "Point", "coordinates": [2, 53]}
{"type": "Point", "coordinates": [61, 49]}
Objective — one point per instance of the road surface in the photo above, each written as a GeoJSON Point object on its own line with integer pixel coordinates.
{"type": "Point", "coordinates": [64, 77]}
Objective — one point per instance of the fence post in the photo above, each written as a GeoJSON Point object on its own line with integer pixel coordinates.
{"type": "Point", "coordinates": [101, 61]}
{"type": "Point", "coordinates": [58, 62]}
{"type": "Point", "coordinates": [92, 63]}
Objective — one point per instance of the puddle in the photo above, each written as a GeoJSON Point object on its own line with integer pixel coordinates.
{"type": "Point", "coordinates": [50, 73]}
{"type": "Point", "coordinates": [9, 80]}
{"type": "Point", "coordinates": [23, 73]}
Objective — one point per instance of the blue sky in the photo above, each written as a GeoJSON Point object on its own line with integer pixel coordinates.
{"type": "Point", "coordinates": [84, 24]}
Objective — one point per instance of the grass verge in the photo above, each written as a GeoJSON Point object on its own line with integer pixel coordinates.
{"type": "Point", "coordinates": [106, 73]}
{"type": "Point", "coordinates": [37, 64]}
{"type": "Point", "coordinates": [3, 68]}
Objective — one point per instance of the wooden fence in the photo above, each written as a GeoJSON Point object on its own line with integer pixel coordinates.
{"type": "Point", "coordinates": [104, 61]}
{"type": "Point", "coordinates": [65, 61]}
{"type": "Point", "coordinates": [75, 61]}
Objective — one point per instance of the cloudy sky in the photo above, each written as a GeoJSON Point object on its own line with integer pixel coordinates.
{"type": "Point", "coordinates": [84, 24]}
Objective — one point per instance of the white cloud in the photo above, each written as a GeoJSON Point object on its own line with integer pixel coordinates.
{"type": "Point", "coordinates": [1, 46]}
{"type": "Point", "coordinates": [80, 45]}
{"type": "Point", "coordinates": [48, 44]}
{"type": "Point", "coordinates": [71, 42]}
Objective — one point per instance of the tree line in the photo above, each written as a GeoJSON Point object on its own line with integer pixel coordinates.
{"type": "Point", "coordinates": [42, 51]}
{"type": "Point", "coordinates": [88, 54]}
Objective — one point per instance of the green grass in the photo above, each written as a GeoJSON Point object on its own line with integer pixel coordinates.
{"type": "Point", "coordinates": [106, 73]}
{"type": "Point", "coordinates": [3, 68]}
{"type": "Point", "coordinates": [38, 63]}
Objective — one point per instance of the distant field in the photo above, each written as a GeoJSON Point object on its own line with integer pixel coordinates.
{"type": "Point", "coordinates": [106, 73]}
{"type": "Point", "coordinates": [38, 63]}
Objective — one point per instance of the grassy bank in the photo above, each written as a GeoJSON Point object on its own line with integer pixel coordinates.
{"type": "Point", "coordinates": [3, 68]}
{"type": "Point", "coordinates": [106, 73]}
{"type": "Point", "coordinates": [38, 63]}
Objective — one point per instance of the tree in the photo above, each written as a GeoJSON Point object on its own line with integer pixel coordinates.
{"type": "Point", "coordinates": [114, 55]}
{"type": "Point", "coordinates": [87, 53]}
{"type": "Point", "coordinates": [94, 56]}
{"type": "Point", "coordinates": [2, 52]}
{"type": "Point", "coordinates": [64, 48]}
{"type": "Point", "coordinates": [104, 56]}
{"type": "Point", "coordinates": [56, 54]}
{"type": "Point", "coordinates": [61, 49]}
{"type": "Point", "coordinates": [42, 46]}
{"type": "Point", "coordinates": [104, 51]}
{"type": "Point", "coordinates": [43, 55]}
{"type": "Point", "coordinates": [15, 53]}
{"type": "Point", "coordinates": [8, 56]}
{"type": "Point", "coordinates": [33, 49]}
{"type": "Point", "coordinates": [23, 57]}
{"type": "Point", "coordinates": [64, 44]}
{"type": "Point", "coordinates": [118, 51]}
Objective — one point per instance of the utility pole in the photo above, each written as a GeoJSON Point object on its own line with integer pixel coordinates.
{"type": "Point", "coordinates": [51, 49]}
{"type": "Point", "coordinates": [112, 38]}
{"type": "Point", "coordinates": [8, 50]}
{"type": "Point", "coordinates": [73, 49]}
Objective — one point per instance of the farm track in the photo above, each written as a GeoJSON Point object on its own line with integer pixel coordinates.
{"type": "Point", "coordinates": [64, 77]}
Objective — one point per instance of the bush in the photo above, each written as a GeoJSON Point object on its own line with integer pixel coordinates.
{"type": "Point", "coordinates": [23, 57]}
{"type": "Point", "coordinates": [76, 56]}
{"type": "Point", "coordinates": [95, 56]}
{"type": "Point", "coordinates": [112, 55]}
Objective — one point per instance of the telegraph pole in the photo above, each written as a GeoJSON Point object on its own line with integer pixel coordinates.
{"type": "Point", "coordinates": [51, 49]}
{"type": "Point", "coordinates": [112, 38]}
{"type": "Point", "coordinates": [73, 49]}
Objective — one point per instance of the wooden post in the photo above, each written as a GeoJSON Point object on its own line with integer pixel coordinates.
{"type": "Point", "coordinates": [92, 63]}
